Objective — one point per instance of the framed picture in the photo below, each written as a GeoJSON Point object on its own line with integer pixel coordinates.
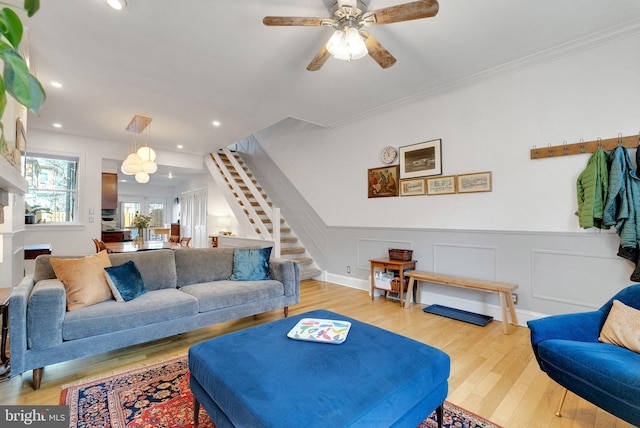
{"type": "Point", "coordinates": [383, 182]}
{"type": "Point", "coordinates": [476, 182]}
{"type": "Point", "coordinates": [21, 145]}
{"type": "Point", "coordinates": [412, 187]}
{"type": "Point", "coordinates": [421, 160]}
{"type": "Point", "coordinates": [441, 185]}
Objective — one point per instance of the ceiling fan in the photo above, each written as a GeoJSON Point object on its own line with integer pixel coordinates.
{"type": "Point", "coordinates": [350, 41]}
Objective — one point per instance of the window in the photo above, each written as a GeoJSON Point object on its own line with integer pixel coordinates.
{"type": "Point", "coordinates": [156, 209]}
{"type": "Point", "coordinates": [53, 187]}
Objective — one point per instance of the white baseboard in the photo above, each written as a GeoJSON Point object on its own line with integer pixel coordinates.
{"type": "Point", "coordinates": [441, 299]}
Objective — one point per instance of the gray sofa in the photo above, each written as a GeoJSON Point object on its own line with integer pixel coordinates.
{"type": "Point", "coordinates": [187, 289]}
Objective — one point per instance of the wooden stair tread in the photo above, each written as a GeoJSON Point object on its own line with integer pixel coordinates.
{"type": "Point", "coordinates": [292, 250]}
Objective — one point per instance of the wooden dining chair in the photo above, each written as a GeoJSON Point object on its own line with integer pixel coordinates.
{"type": "Point", "coordinates": [175, 239]}
{"type": "Point", "coordinates": [100, 246]}
{"type": "Point", "coordinates": [184, 241]}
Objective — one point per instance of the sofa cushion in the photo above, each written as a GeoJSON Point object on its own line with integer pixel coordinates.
{"type": "Point", "coordinates": [203, 265]}
{"type": "Point", "coordinates": [84, 279]}
{"type": "Point", "coordinates": [225, 293]}
{"type": "Point", "coordinates": [157, 267]}
{"type": "Point", "coordinates": [111, 316]}
{"type": "Point", "coordinates": [125, 281]}
{"type": "Point", "coordinates": [622, 327]}
{"type": "Point", "coordinates": [609, 371]}
{"type": "Point", "coordinates": [250, 264]}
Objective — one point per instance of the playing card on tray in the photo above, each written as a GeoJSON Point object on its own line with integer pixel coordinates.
{"type": "Point", "coordinates": [320, 330]}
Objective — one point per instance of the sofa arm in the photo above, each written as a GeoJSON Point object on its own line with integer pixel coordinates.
{"type": "Point", "coordinates": [45, 312]}
{"type": "Point", "coordinates": [288, 273]}
{"type": "Point", "coordinates": [18, 322]}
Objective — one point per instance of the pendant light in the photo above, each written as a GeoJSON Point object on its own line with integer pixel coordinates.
{"type": "Point", "coordinates": [141, 161]}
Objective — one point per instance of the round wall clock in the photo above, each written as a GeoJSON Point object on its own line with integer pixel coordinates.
{"type": "Point", "coordinates": [388, 154]}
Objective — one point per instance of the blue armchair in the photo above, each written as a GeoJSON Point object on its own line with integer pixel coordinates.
{"type": "Point", "coordinates": [567, 349]}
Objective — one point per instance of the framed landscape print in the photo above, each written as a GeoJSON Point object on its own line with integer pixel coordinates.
{"type": "Point", "coordinates": [383, 182]}
{"type": "Point", "coordinates": [421, 160]}
{"type": "Point", "coordinates": [476, 182]}
{"type": "Point", "coordinates": [441, 185]}
{"type": "Point", "coordinates": [412, 187]}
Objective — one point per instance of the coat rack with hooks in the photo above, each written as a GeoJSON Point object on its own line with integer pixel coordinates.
{"type": "Point", "coordinates": [630, 142]}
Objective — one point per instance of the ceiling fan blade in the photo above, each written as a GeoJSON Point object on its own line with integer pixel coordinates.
{"type": "Point", "coordinates": [377, 51]}
{"type": "Point", "coordinates": [318, 61]}
{"type": "Point", "coordinates": [403, 12]}
{"type": "Point", "coordinates": [296, 21]}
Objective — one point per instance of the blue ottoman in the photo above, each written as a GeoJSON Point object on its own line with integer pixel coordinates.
{"type": "Point", "coordinates": [259, 377]}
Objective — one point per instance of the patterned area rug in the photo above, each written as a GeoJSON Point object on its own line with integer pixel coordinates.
{"type": "Point", "coordinates": [158, 396]}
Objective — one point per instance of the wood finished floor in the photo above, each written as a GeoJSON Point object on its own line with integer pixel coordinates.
{"type": "Point", "coordinates": [492, 374]}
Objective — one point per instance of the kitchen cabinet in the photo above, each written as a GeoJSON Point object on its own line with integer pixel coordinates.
{"type": "Point", "coordinates": [109, 191]}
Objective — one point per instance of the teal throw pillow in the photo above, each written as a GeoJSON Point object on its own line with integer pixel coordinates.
{"type": "Point", "coordinates": [125, 281]}
{"type": "Point", "coordinates": [250, 264]}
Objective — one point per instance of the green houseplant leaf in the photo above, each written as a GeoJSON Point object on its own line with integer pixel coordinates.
{"type": "Point", "coordinates": [11, 26]}
{"type": "Point", "coordinates": [31, 7]}
{"type": "Point", "coordinates": [16, 79]}
{"type": "Point", "coordinates": [16, 75]}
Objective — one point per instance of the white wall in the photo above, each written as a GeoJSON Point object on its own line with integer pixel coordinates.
{"type": "Point", "coordinates": [489, 126]}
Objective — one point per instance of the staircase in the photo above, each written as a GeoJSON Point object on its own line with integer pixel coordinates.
{"type": "Point", "coordinates": [251, 204]}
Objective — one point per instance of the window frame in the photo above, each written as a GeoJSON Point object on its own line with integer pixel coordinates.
{"type": "Point", "coordinates": [70, 157]}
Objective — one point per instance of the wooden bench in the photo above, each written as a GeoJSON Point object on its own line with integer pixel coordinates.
{"type": "Point", "coordinates": [503, 289]}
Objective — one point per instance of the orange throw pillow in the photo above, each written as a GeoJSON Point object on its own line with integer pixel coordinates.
{"type": "Point", "coordinates": [622, 327]}
{"type": "Point", "coordinates": [84, 279]}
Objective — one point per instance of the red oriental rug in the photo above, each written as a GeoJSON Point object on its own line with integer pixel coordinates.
{"type": "Point", "coordinates": [158, 395]}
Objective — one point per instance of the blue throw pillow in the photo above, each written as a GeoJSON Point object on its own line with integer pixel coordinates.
{"type": "Point", "coordinates": [250, 264]}
{"type": "Point", "coordinates": [125, 281]}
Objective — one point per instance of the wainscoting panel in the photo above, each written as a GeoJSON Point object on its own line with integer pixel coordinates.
{"type": "Point", "coordinates": [465, 260]}
{"type": "Point", "coordinates": [367, 249]}
{"type": "Point", "coordinates": [573, 278]}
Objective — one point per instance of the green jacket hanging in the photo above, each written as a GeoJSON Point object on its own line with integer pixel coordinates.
{"type": "Point", "coordinates": [592, 187]}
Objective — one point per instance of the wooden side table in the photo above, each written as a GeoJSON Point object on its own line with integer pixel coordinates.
{"type": "Point", "coordinates": [397, 265]}
{"type": "Point", "coordinates": [5, 368]}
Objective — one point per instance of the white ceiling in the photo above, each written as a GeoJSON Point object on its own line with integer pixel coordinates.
{"type": "Point", "coordinates": [186, 63]}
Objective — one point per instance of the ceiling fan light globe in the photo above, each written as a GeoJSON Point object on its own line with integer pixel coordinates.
{"type": "Point", "coordinates": [142, 177]}
{"type": "Point", "coordinates": [336, 43]}
{"type": "Point", "coordinates": [355, 45]}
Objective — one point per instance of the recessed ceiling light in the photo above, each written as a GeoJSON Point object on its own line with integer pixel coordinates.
{"type": "Point", "coordinates": [116, 4]}
{"type": "Point", "coordinates": [57, 125]}
{"type": "Point", "coordinates": [180, 146]}
{"type": "Point", "coordinates": [56, 84]}
{"type": "Point", "coordinates": [216, 123]}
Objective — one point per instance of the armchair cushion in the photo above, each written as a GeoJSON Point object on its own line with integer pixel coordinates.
{"type": "Point", "coordinates": [622, 327]}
